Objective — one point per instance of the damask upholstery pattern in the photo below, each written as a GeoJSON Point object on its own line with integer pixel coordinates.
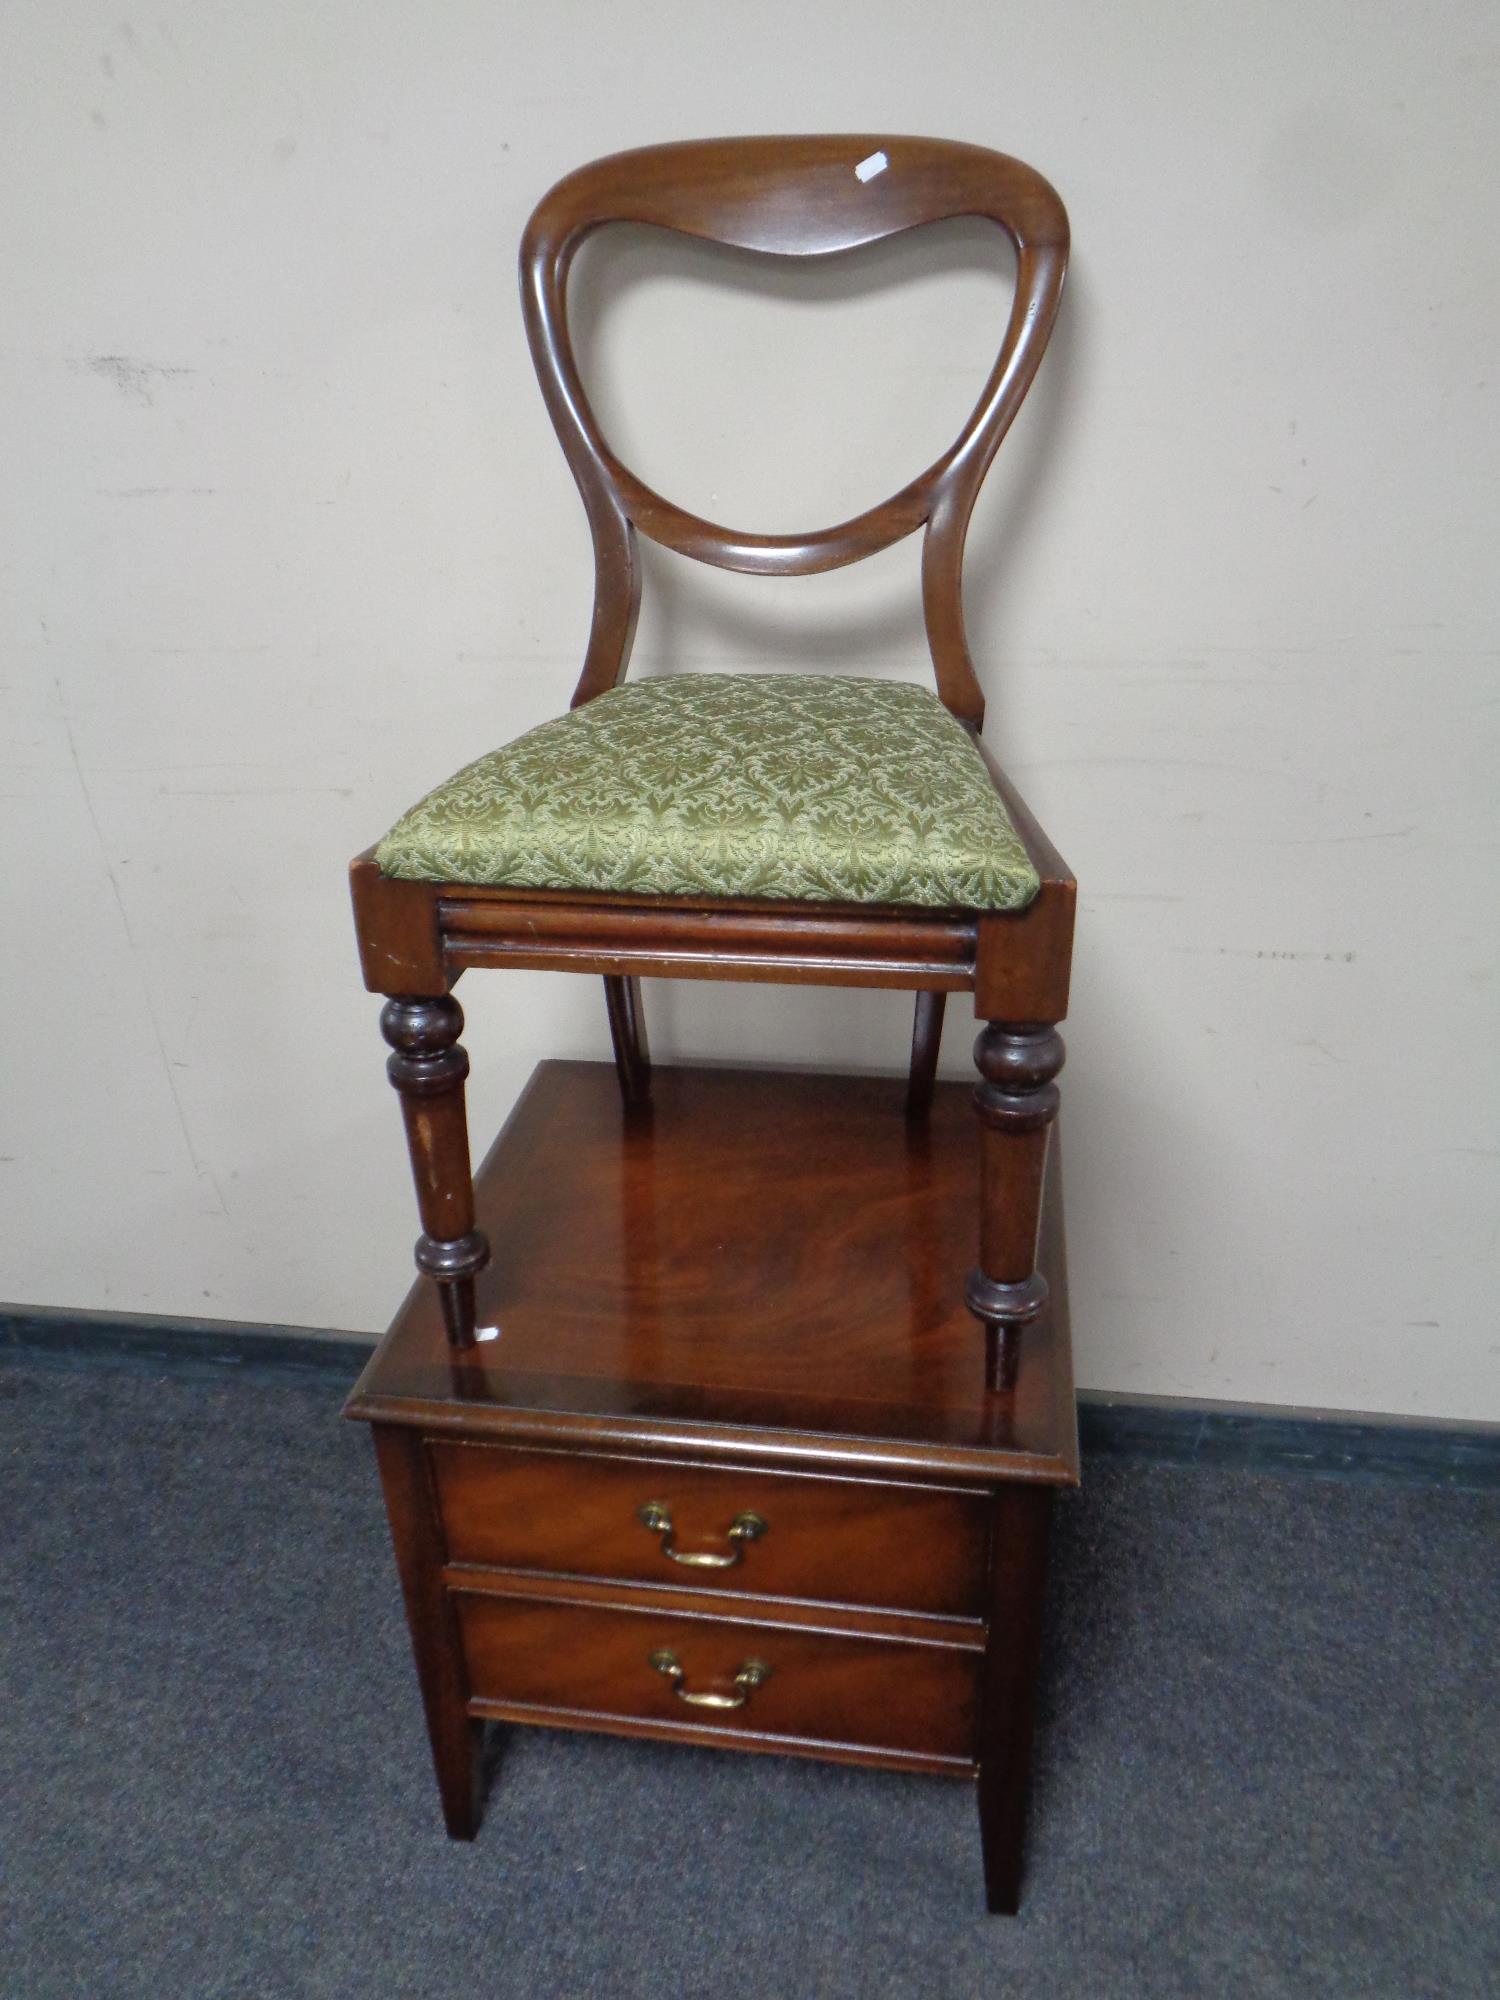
{"type": "Point", "coordinates": [819, 788]}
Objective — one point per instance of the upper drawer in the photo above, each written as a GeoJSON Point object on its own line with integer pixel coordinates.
{"type": "Point", "coordinates": [838, 1541]}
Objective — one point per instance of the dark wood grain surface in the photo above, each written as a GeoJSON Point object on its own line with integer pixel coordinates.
{"type": "Point", "coordinates": [417, 1539]}
{"type": "Point", "coordinates": [734, 1301]}
{"type": "Point", "coordinates": [765, 1266]}
{"type": "Point", "coordinates": [833, 1688]}
{"type": "Point", "coordinates": [838, 1541]}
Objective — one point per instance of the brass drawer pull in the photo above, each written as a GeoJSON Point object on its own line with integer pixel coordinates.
{"type": "Point", "coordinates": [742, 1529]}
{"type": "Point", "coordinates": [751, 1675]}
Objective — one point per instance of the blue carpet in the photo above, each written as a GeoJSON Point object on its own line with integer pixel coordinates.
{"type": "Point", "coordinates": [1267, 1761]}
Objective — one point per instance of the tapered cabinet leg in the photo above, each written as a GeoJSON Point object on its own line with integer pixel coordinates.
{"type": "Point", "coordinates": [417, 1537]}
{"type": "Point", "coordinates": [926, 1040]}
{"type": "Point", "coordinates": [1017, 1101]}
{"type": "Point", "coordinates": [627, 1030]}
{"type": "Point", "coordinates": [1018, 1584]}
{"type": "Point", "coordinates": [428, 1067]}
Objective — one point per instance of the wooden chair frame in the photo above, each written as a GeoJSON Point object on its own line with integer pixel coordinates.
{"type": "Point", "coordinates": [797, 197]}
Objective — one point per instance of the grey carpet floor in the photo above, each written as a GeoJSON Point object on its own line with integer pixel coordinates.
{"type": "Point", "coordinates": [1267, 1761]}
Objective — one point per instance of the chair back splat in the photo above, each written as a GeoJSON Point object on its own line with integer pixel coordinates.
{"type": "Point", "coordinates": [793, 197]}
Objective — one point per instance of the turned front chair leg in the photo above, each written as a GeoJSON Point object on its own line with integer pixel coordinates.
{"type": "Point", "coordinates": [428, 1067]}
{"type": "Point", "coordinates": [1017, 1101]}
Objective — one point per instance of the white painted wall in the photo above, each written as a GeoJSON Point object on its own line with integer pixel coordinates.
{"type": "Point", "coordinates": [286, 537]}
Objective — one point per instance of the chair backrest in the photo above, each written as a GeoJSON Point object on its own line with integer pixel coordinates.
{"type": "Point", "coordinates": [797, 197]}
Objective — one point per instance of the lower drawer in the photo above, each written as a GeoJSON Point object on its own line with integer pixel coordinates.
{"type": "Point", "coordinates": [829, 1688]}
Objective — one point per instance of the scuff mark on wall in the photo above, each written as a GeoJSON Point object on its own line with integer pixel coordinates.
{"type": "Point", "coordinates": [201, 1169]}
{"type": "Point", "coordinates": [1251, 951]}
{"type": "Point", "coordinates": [137, 381]}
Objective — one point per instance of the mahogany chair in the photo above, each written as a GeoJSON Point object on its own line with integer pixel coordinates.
{"type": "Point", "coordinates": [878, 845]}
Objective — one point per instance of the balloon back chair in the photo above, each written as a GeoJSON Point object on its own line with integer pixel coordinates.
{"type": "Point", "coordinates": [794, 828]}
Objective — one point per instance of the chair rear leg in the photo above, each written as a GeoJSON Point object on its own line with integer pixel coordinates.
{"type": "Point", "coordinates": [926, 1039]}
{"type": "Point", "coordinates": [627, 1030]}
{"type": "Point", "coordinates": [428, 1067]}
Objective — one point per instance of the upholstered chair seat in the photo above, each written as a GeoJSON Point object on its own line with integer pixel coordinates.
{"type": "Point", "coordinates": [809, 788]}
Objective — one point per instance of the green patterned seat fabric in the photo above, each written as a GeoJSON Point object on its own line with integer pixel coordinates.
{"type": "Point", "coordinates": [816, 788]}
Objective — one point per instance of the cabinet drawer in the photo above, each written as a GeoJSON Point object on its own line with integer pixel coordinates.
{"type": "Point", "coordinates": [534, 1655]}
{"type": "Point", "coordinates": [836, 1541]}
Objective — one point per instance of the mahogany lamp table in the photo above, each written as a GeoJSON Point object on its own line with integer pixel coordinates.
{"type": "Point", "coordinates": [726, 1471]}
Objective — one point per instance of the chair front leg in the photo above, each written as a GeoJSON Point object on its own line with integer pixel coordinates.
{"type": "Point", "coordinates": [428, 1066]}
{"type": "Point", "coordinates": [1017, 1101]}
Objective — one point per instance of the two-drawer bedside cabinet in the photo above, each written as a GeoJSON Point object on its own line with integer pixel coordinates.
{"type": "Point", "coordinates": [722, 1468]}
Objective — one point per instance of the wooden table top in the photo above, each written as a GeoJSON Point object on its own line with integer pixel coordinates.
{"type": "Point", "coordinates": [767, 1266]}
